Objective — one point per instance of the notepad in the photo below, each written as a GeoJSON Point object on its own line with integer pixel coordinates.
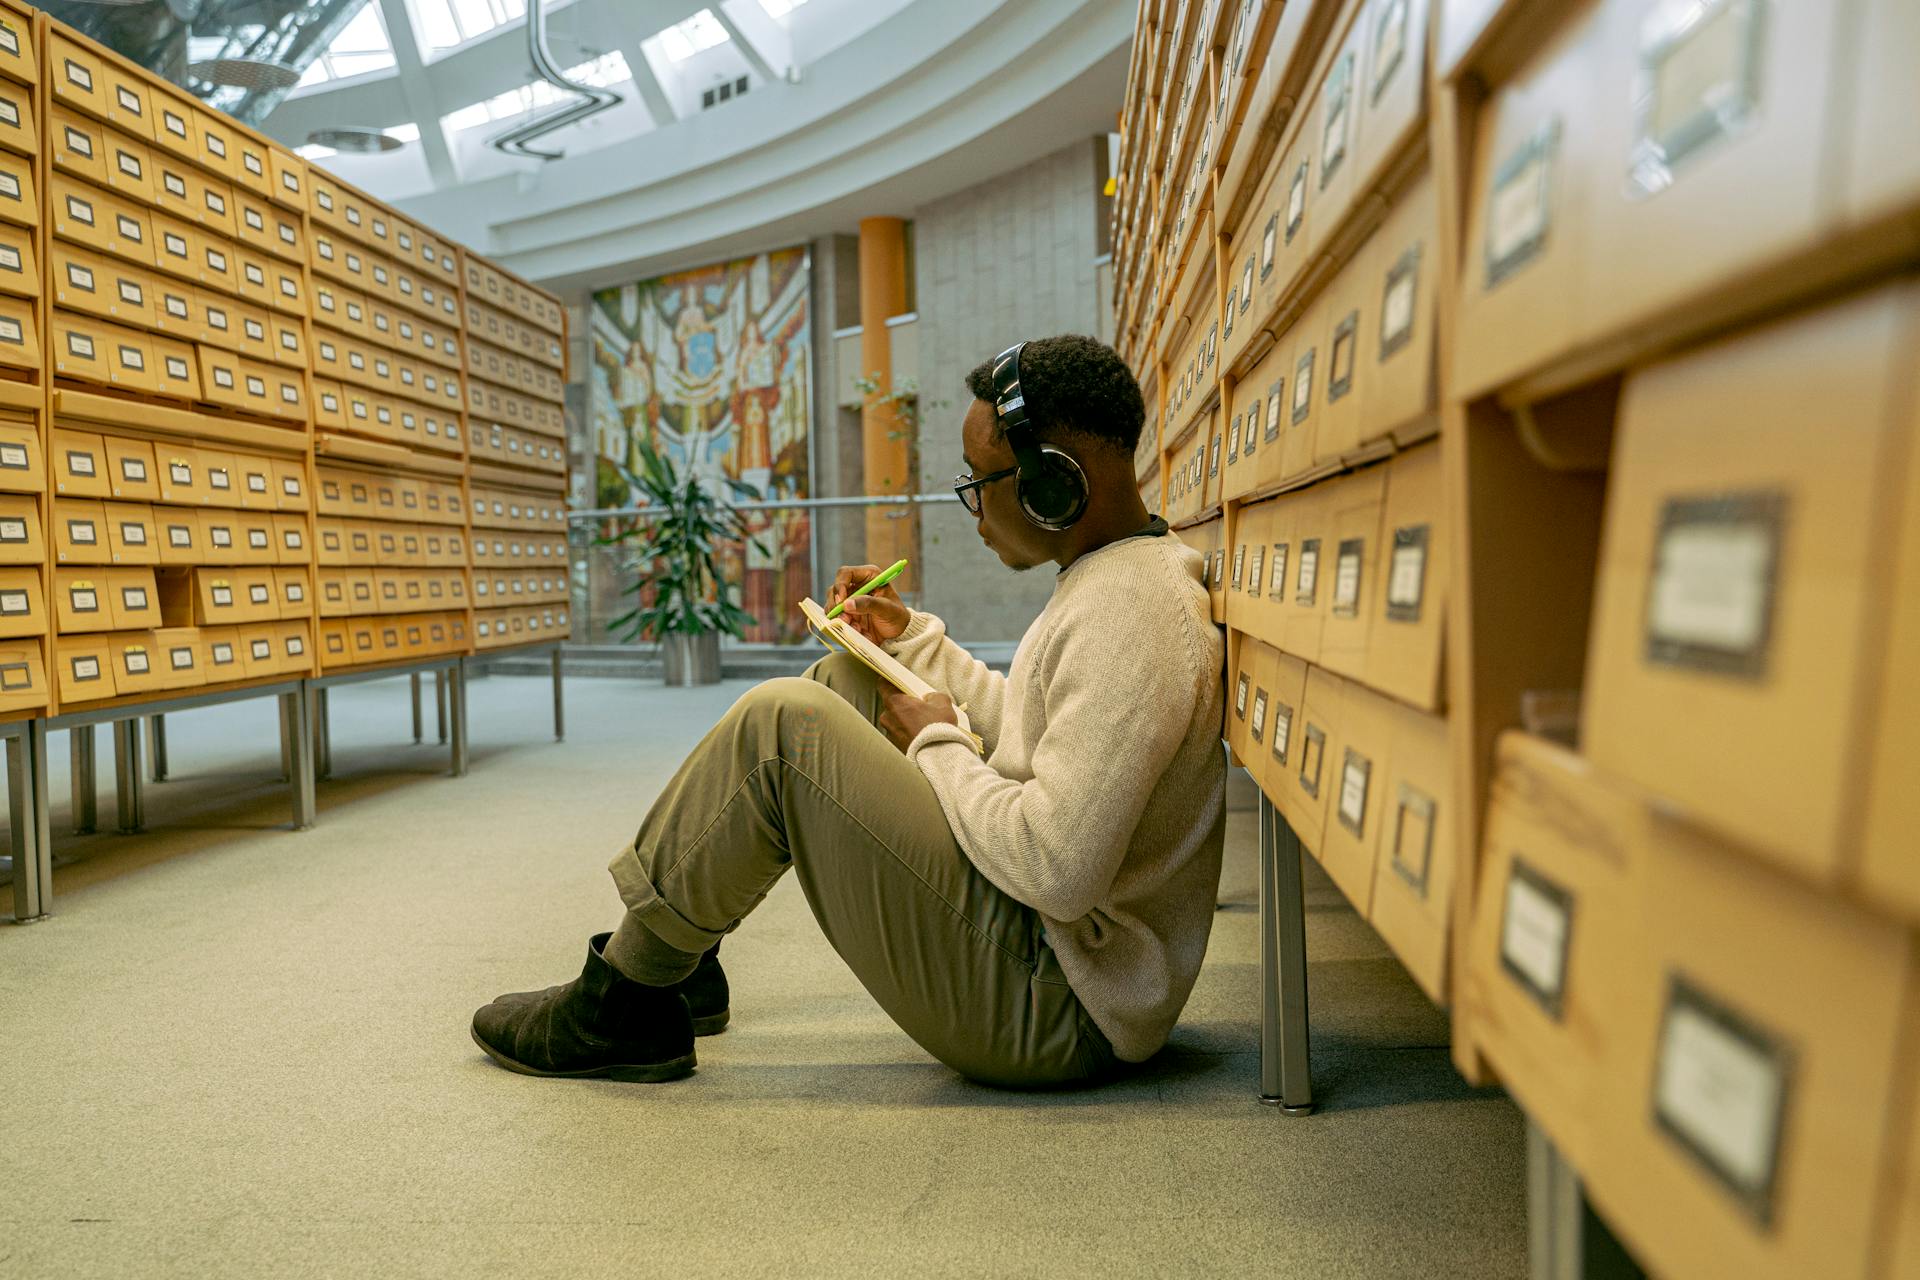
{"type": "Point", "coordinates": [838, 633]}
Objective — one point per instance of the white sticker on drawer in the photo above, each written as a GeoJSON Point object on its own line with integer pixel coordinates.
{"type": "Point", "coordinates": [1536, 928]}
{"type": "Point", "coordinates": [1720, 1087]}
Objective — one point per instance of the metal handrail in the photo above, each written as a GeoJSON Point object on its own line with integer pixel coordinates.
{"type": "Point", "coordinates": [778, 504]}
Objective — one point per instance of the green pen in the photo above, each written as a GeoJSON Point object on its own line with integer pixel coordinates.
{"type": "Point", "coordinates": [886, 575]}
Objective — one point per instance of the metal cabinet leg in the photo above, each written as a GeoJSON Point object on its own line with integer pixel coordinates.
{"type": "Point", "coordinates": [298, 737]}
{"type": "Point", "coordinates": [157, 747]}
{"type": "Point", "coordinates": [414, 681]}
{"type": "Point", "coordinates": [1286, 1073]}
{"type": "Point", "coordinates": [457, 700]}
{"type": "Point", "coordinates": [1565, 1238]}
{"type": "Point", "coordinates": [322, 735]}
{"type": "Point", "coordinates": [440, 703]}
{"type": "Point", "coordinates": [287, 720]}
{"type": "Point", "coordinates": [126, 775]}
{"type": "Point", "coordinates": [559, 701]}
{"type": "Point", "coordinates": [86, 796]}
{"type": "Point", "coordinates": [30, 824]}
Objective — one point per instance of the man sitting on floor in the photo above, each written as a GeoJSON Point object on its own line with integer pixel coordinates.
{"type": "Point", "coordinates": [1035, 917]}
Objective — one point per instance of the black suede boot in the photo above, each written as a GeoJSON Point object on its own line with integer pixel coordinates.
{"type": "Point", "coordinates": [707, 996]}
{"type": "Point", "coordinates": [600, 1024]}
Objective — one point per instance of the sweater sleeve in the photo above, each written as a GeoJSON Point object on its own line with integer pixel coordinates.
{"type": "Point", "coordinates": [925, 649]}
{"type": "Point", "coordinates": [1119, 689]}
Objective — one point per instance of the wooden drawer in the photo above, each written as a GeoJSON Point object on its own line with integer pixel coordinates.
{"type": "Point", "coordinates": [20, 464]}
{"type": "Point", "coordinates": [18, 202]}
{"type": "Point", "coordinates": [23, 607]}
{"type": "Point", "coordinates": [1743, 586]}
{"type": "Point", "coordinates": [80, 466]}
{"type": "Point", "coordinates": [133, 535]}
{"type": "Point", "coordinates": [79, 532]}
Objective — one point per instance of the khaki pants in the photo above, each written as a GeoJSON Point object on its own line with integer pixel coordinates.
{"type": "Point", "coordinates": [797, 775]}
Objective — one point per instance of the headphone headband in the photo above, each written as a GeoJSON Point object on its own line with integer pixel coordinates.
{"type": "Point", "coordinates": [1052, 487]}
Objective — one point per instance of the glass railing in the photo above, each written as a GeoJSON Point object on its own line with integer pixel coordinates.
{"type": "Point", "coordinates": [800, 543]}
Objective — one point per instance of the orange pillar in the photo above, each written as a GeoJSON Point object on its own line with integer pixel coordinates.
{"type": "Point", "coordinates": [885, 452]}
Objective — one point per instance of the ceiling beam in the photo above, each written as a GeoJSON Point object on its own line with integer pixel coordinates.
{"type": "Point", "coordinates": [417, 89]}
{"type": "Point", "coordinates": [633, 31]}
{"type": "Point", "coordinates": [761, 41]}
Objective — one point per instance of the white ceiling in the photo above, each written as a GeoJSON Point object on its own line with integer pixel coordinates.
{"type": "Point", "coordinates": [855, 107]}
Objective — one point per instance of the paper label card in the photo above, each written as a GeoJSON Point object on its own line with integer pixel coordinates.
{"type": "Point", "coordinates": [1536, 931]}
{"type": "Point", "coordinates": [1519, 206]}
{"type": "Point", "coordinates": [15, 604]}
{"type": "Point", "coordinates": [1253, 568]}
{"type": "Point", "coordinates": [10, 39]}
{"type": "Point", "coordinates": [136, 662]}
{"type": "Point", "coordinates": [1307, 579]}
{"type": "Point", "coordinates": [1355, 771]}
{"type": "Point", "coordinates": [1239, 695]}
{"type": "Point", "coordinates": [1303, 387]}
{"type": "Point", "coordinates": [1333, 134]}
{"type": "Point", "coordinates": [1721, 1087]}
{"type": "Point", "coordinates": [1277, 581]}
{"type": "Point", "coordinates": [133, 599]}
{"type": "Point", "coordinates": [10, 258]}
{"type": "Point", "coordinates": [86, 668]}
{"type": "Point", "coordinates": [1696, 83]}
{"type": "Point", "coordinates": [1297, 201]}
{"type": "Point", "coordinates": [1397, 302]}
{"type": "Point", "coordinates": [13, 530]}
{"type": "Point", "coordinates": [181, 658]}
{"type": "Point", "coordinates": [180, 472]}
{"type": "Point", "coordinates": [1340, 360]}
{"type": "Point", "coordinates": [222, 654]}
{"type": "Point", "coordinates": [1239, 562]}
{"type": "Point", "coordinates": [13, 457]}
{"type": "Point", "coordinates": [82, 533]}
{"type": "Point", "coordinates": [1312, 757]}
{"type": "Point", "coordinates": [1407, 573]}
{"type": "Point", "coordinates": [133, 533]}
{"type": "Point", "coordinates": [262, 650]}
{"type": "Point", "coordinates": [179, 535]}
{"type": "Point", "coordinates": [83, 599]}
{"type": "Point", "coordinates": [1252, 433]}
{"type": "Point", "coordinates": [222, 595]}
{"type": "Point", "coordinates": [1710, 594]}
{"type": "Point", "coordinates": [1346, 577]}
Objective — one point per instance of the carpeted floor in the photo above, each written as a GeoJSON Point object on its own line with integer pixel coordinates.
{"type": "Point", "coordinates": [240, 1051]}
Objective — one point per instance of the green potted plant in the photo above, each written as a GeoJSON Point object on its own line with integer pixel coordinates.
{"type": "Point", "coordinates": [677, 549]}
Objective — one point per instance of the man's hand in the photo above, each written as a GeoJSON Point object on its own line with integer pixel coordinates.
{"type": "Point", "coordinates": [878, 615]}
{"type": "Point", "coordinates": [907, 715]}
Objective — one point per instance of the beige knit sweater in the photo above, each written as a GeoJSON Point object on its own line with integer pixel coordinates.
{"type": "Point", "coordinates": [1101, 800]}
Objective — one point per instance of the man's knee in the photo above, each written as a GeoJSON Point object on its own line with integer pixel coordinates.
{"type": "Point", "coordinates": [839, 670]}
{"type": "Point", "coordinates": [785, 714]}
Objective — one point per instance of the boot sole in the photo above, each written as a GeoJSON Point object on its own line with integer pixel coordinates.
{"type": "Point", "coordinates": [627, 1073]}
{"type": "Point", "coordinates": [712, 1024]}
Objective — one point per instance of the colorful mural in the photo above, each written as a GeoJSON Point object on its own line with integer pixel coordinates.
{"type": "Point", "coordinates": [714, 365]}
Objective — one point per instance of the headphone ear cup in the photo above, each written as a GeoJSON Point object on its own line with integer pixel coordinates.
{"type": "Point", "coordinates": [1056, 497]}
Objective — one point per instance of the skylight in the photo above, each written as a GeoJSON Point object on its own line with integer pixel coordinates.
{"type": "Point", "coordinates": [600, 73]}
{"type": "Point", "coordinates": [700, 32]}
{"type": "Point", "coordinates": [780, 8]}
{"type": "Point", "coordinates": [447, 23]}
{"type": "Point", "coordinates": [361, 47]}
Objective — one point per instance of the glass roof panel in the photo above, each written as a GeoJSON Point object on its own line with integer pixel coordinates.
{"type": "Point", "coordinates": [684, 39]}
{"type": "Point", "coordinates": [780, 8]}
{"type": "Point", "coordinates": [362, 47]}
{"type": "Point", "coordinates": [446, 24]}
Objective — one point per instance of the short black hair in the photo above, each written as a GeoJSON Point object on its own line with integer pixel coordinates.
{"type": "Point", "coordinates": [1074, 383]}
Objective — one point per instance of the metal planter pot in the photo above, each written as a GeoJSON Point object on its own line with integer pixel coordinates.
{"type": "Point", "coordinates": [691, 658]}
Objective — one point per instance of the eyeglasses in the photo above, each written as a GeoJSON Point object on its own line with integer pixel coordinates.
{"type": "Point", "coordinates": [969, 489]}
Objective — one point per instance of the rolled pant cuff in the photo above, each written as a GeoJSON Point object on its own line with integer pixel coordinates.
{"type": "Point", "coordinates": [640, 954]}
{"type": "Point", "coordinates": [654, 944]}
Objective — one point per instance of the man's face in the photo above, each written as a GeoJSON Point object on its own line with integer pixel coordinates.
{"type": "Point", "coordinates": [1001, 524]}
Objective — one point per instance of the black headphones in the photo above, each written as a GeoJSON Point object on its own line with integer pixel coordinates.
{"type": "Point", "coordinates": [1052, 488]}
